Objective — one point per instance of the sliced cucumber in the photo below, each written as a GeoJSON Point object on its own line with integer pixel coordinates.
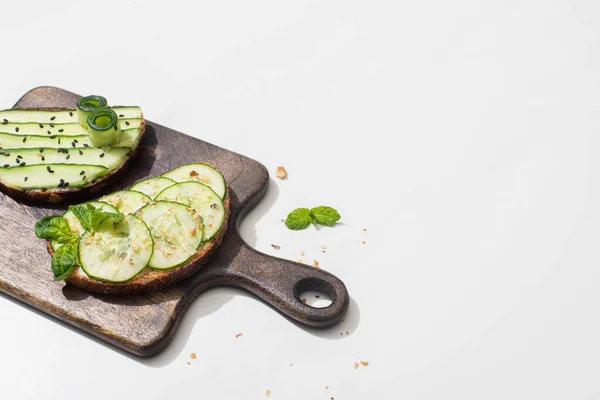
{"type": "Point", "coordinates": [129, 138]}
{"type": "Point", "coordinates": [60, 117]}
{"type": "Point", "coordinates": [11, 141]}
{"type": "Point", "coordinates": [74, 223]}
{"type": "Point", "coordinates": [51, 175]}
{"type": "Point", "coordinates": [176, 230]}
{"type": "Point", "coordinates": [117, 251]}
{"type": "Point", "coordinates": [152, 186]}
{"type": "Point", "coordinates": [85, 155]}
{"type": "Point", "coordinates": [202, 173]}
{"type": "Point", "coordinates": [40, 129]}
{"type": "Point", "coordinates": [202, 199]}
{"type": "Point", "coordinates": [126, 201]}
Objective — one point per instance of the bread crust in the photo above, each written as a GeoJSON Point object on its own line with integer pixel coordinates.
{"type": "Point", "coordinates": [151, 280]}
{"type": "Point", "coordinates": [59, 195]}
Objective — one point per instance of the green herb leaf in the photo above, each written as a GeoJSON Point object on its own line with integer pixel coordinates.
{"type": "Point", "coordinates": [90, 216]}
{"type": "Point", "coordinates": [64, 260]}
{"type": "Point", "coordinates": [324, 215]}
{"type": "Point", "coordinates": [298, 219]}
{"type": "Point", "coordinates": [52, 227]}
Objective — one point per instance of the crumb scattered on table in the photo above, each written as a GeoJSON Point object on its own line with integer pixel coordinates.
{"type": "Point", "coordinates": [281, 172]}
{"type": "Point", "coordinates": [363, 242]}
{"type": "Point", "coordinates": [317, 296]}
{"type": "Point", "coordinates": [326, 387]}
{"type": "Point", "coordinates": [355, 365]}
{"type": "Point", "coordinates": [193, 356]}
{"type": "Point", "coordinates": [267, 392]}
{"type": "Point", "coordinates": [276, 246]}
{"type": "Point", "coordinates": [324, 248]}
{"type": "Point", "coordinates": [364, 229]}
{"type": "Point", "coordinates": [315, 264]}
{"type": "Point", "coordinates": [283, 221]}
{"type": "Point", "coordinates": [365, 363]}
{"type": "Point", "coordinates": [302, 253]}
{"type": "Point", "coordinates": [238, 335]}
{"type": "Point", "coordinates": [189, 363]}
{"type": "Point", "coordinates": [291, 365]}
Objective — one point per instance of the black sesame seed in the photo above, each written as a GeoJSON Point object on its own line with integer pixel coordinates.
{"type": "Point", "coordinates": [75, 140]}
{"type": "Point", "coordinates": [82, 172]}
{"type": "Point", "coordinates": [43, 158]}
{"type": "Point", "coordinates": [49, 133]}
{"type": "Point", "coordinates": [49, 169]}
{"type": "Point", "coordinates": [115, 127]}
{"type": "Point", "coordinates": [71, 113]}
{"type": "Point", "coordinates": [86, 145]}
{"type": "Point", "coordinates": [25, 179]}
{"type": "Point", "coordinates": [7, 154]}
{"type": "Point", "coordinates": [22, 164]}
{"type": "Point", "coordinates": [60, 184]}
{"type": "Point", "coordinates": [41, 125]}
{"type": "Point", "coordinates": [24, 139]}
{"type": "Point", "coordinates": [61, 130]}
{"type": "Point", "coordinates": [126, 122]}
{"type": "Point", "coordinates": [41, 149]}
{"type": "Point", "coordinates": [101, 155]}
{"type": "Point", "coordinates": [19, 156]}
{"type": "Point", "coordinates": [52, 137]}
{"type": "Point", "coordinates": [80, 152]}
{"type": "Point", "coordinates": [51, 125]}
{"type": "Point", "coordinates": [53, 118]}
{"type": "Point", "coordinates": [17, 160]}
{"type": "Point", "coordinates": [69, 156]}
{"type": "Point", "coordinates": [17, 129]}
{"type": "Point", "coordinates": [5, 121]}
{"type": "Point", "coordinates": [58, 140]}
{"type": "Point", "coordinates": [5, 165]}
{"type": "Point", "coordinates": [83, 179]}
{"type": "Point", "coordinates": [66, 184]}
{"type": "Point", "coordinates": [121, 115]}
{"type": "Point", "coordinates": [73, 144]}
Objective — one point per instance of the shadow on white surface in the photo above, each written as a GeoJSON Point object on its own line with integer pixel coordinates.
{"type": "Point", "coordinates": [247, 227]}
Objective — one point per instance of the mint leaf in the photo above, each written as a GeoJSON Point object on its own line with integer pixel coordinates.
{"type": "Point", "coordinates": [64, 260]}
{"type": "Point", "coordinates": [298, 219]}
{"type": "Point", "coordinates": [90, 216]}
{"type": "Point", "coordinates": [324, 215]}
{"type": "Point", "coordinates": [53, 227]}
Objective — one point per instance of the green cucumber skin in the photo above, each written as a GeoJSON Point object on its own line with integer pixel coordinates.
{"type": "Point", "coordinates": [181, 263]}
{"type": "Point", "coordinates": [126, 280]}
{"type": "Point", "coordinates": [34, 170]}
{"type": "Point", "coordinates": [32, 156]}
{"type": "Point", "coordinates": [61, 116]}
{"type": "Point", "coordinates": [68, 129]}
{"type": "Point", "coordinates": [173, 173]}
{"type": "Point", "coordinates": [130, 138]}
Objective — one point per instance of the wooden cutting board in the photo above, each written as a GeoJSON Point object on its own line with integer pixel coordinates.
{"type": "Point", "coordinates": [145, 324]}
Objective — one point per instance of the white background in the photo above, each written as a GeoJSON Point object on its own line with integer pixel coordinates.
{"type": "Point", "coordinates": [462, 134]}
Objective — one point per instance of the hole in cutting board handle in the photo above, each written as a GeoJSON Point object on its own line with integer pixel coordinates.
{"type": "Point", "coordinates": [317, 293]}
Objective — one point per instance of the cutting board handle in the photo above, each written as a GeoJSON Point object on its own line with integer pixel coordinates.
{"type": "Point", "coordinates": [280, 283]}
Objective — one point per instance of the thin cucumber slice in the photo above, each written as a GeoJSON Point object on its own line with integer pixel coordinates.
{"type": "Point", "coordinates": [60, 117]}
{"type": "Point", "coordinates": [74, 223]}
{"type": "Point", "coordinates": [126, 201]}
{"type": "Point", "coordinates": [152, 186]}
{"type": "Point", "coordinates": [117, 251]}
{"type": "Point", "coordinates": [203, 200]}
{"type": "Point", "coordinates": [176, 230]}
{"type": "Point", "coordinates": [13, 141]}
{"type": "Point", "coordinates": [71, 129]}
{"type": "Point", "coordinates": [129, 138]}
{"type": "Point", "coordinates": [202, 173]}
{"type": "Point", "coordinates": [50, 176]}
{"type": "Point", "coordinates": [85, 155]}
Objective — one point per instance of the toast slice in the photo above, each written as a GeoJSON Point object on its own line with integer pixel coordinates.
{"type": "Point", "coordinates": [92, 189]}
{"type": "Point", "coordinates": [151, 279]}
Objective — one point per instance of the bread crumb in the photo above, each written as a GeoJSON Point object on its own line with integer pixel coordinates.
{"type": "Point", "coordinates": [281, 172]}
{"type": "Point", "coordinates": [276, 246]}
{"type": "Point", "coordinates": [193, 356]}
{"type": "Point", "coordinates": [283, 221]}
{"type": "Point", "coordinates": [189, 363]}
{"type": "Point", "coordinates": [355, 365]}
{"type": "Point", "coordinates": [194, 173]}
{"type": "Point", "coordinates": [302, 253]}
{"type": "Point", "coordinates": [324, 248]}
{"type": "Point", "coordinates": [331, 398]}
{"type": "Point", "coordinates": [364, 229]}
{"type": "Point", "coordinates": [315, 264]}
{"type": "Point", "coordinates": [303, 299]}
{"type": "Point", "coordinates": [347, 333]}
{"type": "Point", "coordinates": [238, 335]}
{"type": "Point", "coordinates": [365, 363]}
{"type": "Point", "coordinates": [130, 261]}
{"type": "Point", "coordinates": [326, 387]}
{"type": "Point", "coordinates": [193, 231]}
{"type": "Point", "coordinates": [363, 242]}
{"type": "Point", "coordinates": [267, 392]}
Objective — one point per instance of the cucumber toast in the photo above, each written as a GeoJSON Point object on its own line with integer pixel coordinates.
{"type": "Point", "coordinates": [54, 155]}
{"type": "Point", "coordinates": [151, 236]}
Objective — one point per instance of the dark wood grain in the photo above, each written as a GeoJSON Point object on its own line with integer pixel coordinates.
{"type": "Point", "coordinates": [145, 324]}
